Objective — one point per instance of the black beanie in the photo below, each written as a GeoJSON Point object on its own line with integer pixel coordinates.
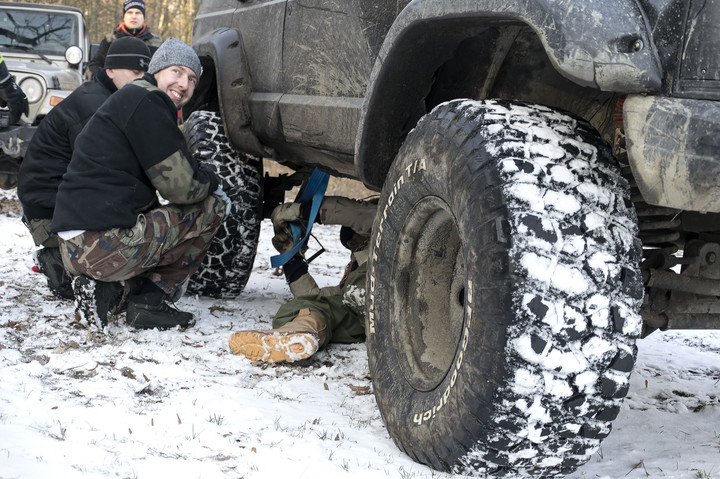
{"type": "Point", "coordinates": [139, 4]}
{"type": "Point", "coordinates": [129, 53]}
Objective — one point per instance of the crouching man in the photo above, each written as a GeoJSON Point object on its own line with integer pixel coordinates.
{"type": "Point", "coordinates": [315, 316]}
{"type": "Point", "coordinates": [51, 148]}
{"type": "Point", "coordinates": [111, 226]}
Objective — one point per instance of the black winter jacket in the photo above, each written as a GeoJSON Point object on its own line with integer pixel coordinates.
{"type": "Point", "coordinates": [51, 147]}
{"type": "Point", "coordinates": [98, 60]}
{"type": "Point", "coordinates": [131, 148]}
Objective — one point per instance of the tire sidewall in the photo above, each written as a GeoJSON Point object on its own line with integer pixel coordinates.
{"type": "Point", "coordinates": [436, 167]}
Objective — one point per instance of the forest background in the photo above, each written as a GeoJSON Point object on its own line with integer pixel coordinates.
{"type": "Point", "coordinates": [165, 18]}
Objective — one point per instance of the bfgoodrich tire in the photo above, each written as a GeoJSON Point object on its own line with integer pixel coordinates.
{"type": "Point", "coordinates": [504, 291]}
{"type": "Point", "coordinates": [227, 266]}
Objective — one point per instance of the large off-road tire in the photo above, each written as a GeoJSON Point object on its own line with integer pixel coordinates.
{"type": "Point", "coordinates": [229, 261]}
{"type": "Point", "coordinates": [504, 291]}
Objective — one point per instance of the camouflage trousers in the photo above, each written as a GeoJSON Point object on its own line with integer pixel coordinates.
{"type": "Point", "coordinates": [166, 245]}
{"type": "Point", "coordinates": [343, 312]}
{"type": "Point", "coordinates": [40, 232]}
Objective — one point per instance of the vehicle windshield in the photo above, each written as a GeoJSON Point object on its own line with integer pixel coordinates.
{"type": "Point", "coordinates": [45, 32]}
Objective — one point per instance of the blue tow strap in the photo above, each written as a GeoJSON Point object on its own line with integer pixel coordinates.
{"type": "Point", "coordinates": [314, 191]}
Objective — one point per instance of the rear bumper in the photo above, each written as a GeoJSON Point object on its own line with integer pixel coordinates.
{"type": "Point", "coordinates": [674, 151]}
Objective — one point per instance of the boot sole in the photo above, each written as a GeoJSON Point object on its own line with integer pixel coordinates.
{"type": "Point", "coordinates": [273, 347]}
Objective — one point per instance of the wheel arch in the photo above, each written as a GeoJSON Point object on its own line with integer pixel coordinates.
{"type": "Point", "coordinates": [590, 48]}
{"type": "Point", "coordinates": [226, 89]}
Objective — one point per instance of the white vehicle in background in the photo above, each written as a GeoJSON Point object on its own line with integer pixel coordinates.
{"type": "Point", "coordinates": [46, 48]}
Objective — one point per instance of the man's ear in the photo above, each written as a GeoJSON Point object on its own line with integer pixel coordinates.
{"type": "Point", "coordinates": [110, 73]}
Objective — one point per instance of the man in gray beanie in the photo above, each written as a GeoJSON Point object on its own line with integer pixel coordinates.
{"type": "Point", "coordinates": [177, 69]}
{"type": "Point", "coordinates": [115, 236]}
{"type": "Point", "coordinates": [51, 148]}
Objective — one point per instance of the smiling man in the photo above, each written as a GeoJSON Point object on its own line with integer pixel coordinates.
{"type": "Point", "coordinates": [115, 237]}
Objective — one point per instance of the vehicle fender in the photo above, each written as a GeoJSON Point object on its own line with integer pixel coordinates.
{"type": "Point", "coordinates": [224, 46]}
{"type": "Point", "coordinates": [673, 146]}
{"type": "Point", "coordinates": [602, 44]}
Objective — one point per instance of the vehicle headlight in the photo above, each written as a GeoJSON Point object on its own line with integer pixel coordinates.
{"type": "Point", "coordinates": [33, 89]}
{"type": "Point", "coordinates": [73, 55]}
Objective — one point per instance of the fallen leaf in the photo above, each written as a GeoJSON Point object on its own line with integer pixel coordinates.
{"type": "Point", "coordinates": [360, 390]}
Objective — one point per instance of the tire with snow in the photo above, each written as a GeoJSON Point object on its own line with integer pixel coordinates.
{"type": "Point", "coordinates": [229, 261]}
{"type": "Point", "coordinates": [503, 291]}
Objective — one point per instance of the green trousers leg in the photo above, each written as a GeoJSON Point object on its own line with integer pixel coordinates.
{"type": "Point", "coordinates": [344, 313]}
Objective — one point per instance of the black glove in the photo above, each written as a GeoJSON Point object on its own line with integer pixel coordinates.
{"type": "Point", "coordinates": [295, 268]}
{"type": "Point", "coordinates": [12, 96]}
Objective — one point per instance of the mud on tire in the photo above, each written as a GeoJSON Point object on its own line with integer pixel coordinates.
{"type": "Point", "coordinates": [504, 291]}
{"type": "Point", "coordinates": [227, 266]}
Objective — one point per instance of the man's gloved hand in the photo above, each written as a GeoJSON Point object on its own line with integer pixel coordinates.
{"type": "Point", "coordinates": [285, 213]}
{"type": "Point", "coordinates": [223, 196]}
{"type": "Point", "coordinates": [283, 240]}
{"type": "Point", "coordinates": [12, 96]}
{"type": "Point", "coordinates": [281, 217]}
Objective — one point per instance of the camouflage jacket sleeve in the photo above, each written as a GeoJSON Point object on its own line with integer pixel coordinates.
{"type": "Point", "coordinates": [163, 153]}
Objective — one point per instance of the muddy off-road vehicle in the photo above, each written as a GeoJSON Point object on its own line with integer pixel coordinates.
{"type": "Point", "coordinates": [550, 181]}
{"type": "Point", "coordinates": [46, 48]}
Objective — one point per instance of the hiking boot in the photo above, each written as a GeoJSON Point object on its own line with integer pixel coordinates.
{"type": "Point", "coordinates": [153, 309]}
{"type": "Point", "coordinates": [50, 264]}
{"type": "Point", "coordinates": [296, 340]}
{"type": "Point", "coordinates": [96, 300]}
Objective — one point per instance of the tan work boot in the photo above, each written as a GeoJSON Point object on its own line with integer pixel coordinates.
{"type": "Point", "coordinates": [296, 340]}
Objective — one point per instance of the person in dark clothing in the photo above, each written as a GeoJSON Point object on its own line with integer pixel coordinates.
{"type": "Point", "coordinates": [51, 148]}
{"type": "Point", "coordinates": [114, 234]}
{"type": "Point", "coordinates": [11, 95]}
{"type": "Point", "coordinates": [133, 25]}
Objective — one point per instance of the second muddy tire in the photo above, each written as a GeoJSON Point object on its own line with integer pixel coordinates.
{"type": "Point", "coordinates": [226, 268]}
{"type": "Point", "coordinates": [503, 291]}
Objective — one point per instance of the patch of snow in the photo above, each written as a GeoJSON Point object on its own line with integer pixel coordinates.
{"type": "Point", "coordinates": [78, 403]}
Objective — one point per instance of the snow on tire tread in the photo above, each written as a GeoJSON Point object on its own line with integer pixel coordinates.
{"type": "Point", "coordinates": [568, 341]}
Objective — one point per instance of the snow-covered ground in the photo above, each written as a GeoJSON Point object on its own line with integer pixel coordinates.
{"type": "Point", "coordinates": [79, 403]}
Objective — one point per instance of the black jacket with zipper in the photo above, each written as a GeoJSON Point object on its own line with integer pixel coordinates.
{"type": "Point", "coordinates": [51, 147]}
{"type": "Point", "coordinates": [130, 150]}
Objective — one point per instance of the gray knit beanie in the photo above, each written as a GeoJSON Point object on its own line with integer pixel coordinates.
{"type": "Point", "coordinates": [174, 52]}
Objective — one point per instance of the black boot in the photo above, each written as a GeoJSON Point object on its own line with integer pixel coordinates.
{"type": "Point", "coordinates": [51, 265]}
{"type": "Point", "coordinates": [96, 300]}
{"type": "Point", "coordinates": [150, 307]}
